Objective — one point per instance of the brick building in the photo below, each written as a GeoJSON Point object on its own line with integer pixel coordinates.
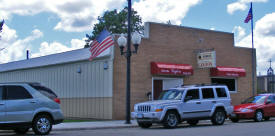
{"type": "Point", "coordinates": [167, 57]}
{"type": "Point", "coordinates": [180, 45]}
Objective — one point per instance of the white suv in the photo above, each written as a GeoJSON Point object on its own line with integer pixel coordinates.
{"type": "Point", "coordinates": [187, 103]}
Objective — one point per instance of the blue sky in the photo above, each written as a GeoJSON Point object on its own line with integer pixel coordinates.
{"type": "Point", "coordinates": [46, 27]}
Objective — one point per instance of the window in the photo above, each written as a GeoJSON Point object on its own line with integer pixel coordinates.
{"type": "Point", "coordinates": [44, 90]}
{"type": "Point", "coordinates": [17, 92]}
{"type": "Point", "coordinates": [1, 92]}
{"type": "Point", "coordinates": [221, 92]}
{"type": "Point", "coordinates": [171, 95]}
{"type": "Point", "coordinates": [272, 98]}
{"type": "Point", "coordinates": [230, 83]}
{"type": "Point", "coordinates": [256, 99]}
{"type": "Point", "coordinates": [193, 93]}
{"type": "Point", "coordinates": [207, 93]}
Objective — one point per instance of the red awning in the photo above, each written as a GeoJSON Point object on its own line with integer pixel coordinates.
{"type": "Point", "coordinates": [228, 71]}
{"type": "Point", "coordinates": [160, 68]}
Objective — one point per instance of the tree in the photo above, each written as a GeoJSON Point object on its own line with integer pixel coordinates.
{"type": "Point", "coordinates": [115, 22]}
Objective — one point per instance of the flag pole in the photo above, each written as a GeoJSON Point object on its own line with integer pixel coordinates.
{"type": "Point", "coordinates": [253, 53]}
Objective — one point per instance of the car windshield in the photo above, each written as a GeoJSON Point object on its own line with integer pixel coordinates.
{"type": "Point", "coordinates": [255, 99]}
{"type": "Point", "coordinates": [172, 94]}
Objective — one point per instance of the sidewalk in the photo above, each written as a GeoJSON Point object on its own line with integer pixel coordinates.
{"type": "Point", "coordinates": [94, 125]}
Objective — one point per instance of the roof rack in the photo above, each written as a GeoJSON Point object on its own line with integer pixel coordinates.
{"type": "Point", "coordinates": [202, 84]}
{"type": "Point", "coordinates": [20, 83]}
{"type": "Point", "coordinates": [211, 84]}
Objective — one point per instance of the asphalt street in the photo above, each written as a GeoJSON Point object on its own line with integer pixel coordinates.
{"type": "Point", "coordinates": [244, 128]}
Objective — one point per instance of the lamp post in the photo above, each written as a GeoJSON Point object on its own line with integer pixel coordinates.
{"type": "Point", "coordinates": [136, 39]}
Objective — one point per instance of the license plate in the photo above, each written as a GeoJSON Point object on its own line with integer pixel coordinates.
{"type": "Point", "coordinates": [139, 115]}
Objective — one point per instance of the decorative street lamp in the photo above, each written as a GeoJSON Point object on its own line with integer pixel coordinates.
{"type": "Point", "coordinates": [136, 39]}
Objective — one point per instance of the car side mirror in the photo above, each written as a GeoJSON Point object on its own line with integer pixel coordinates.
{"type": "Point", "coordinates": [268, 101]}
{"type": "Point", "coordinates": [187, 98]}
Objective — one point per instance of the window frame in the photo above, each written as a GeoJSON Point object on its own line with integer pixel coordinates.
{"type": "Point", "coordinates": [193, 89]}
{"type": "Point", "coordinates": [235, 81]}
{"type": "Point", "coordinates": [6, 92]}
{"type": "Point", "coordinates": [225, 92]}
{"type": "Point", "coordinates": [213, 91]}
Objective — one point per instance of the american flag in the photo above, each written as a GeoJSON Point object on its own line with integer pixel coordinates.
{"type": "Point", "coordinates": [249, 16]}
{"type": "Point", "coordinates": [1, 25]}
{"type": "Point", "coordinates": [102, 42]}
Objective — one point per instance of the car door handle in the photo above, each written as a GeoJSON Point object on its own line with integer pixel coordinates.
{"type": "Point", "coordinates": [32, 101]}
{"type": "Point", "coordinates": [214, 101]}
{"type": "Point", "coordinates": [198, 102]}
{"type": "Point", "coordinates": [2, 104]}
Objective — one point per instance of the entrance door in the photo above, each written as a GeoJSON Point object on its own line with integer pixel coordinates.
{"type": "Point", "coordinates": [157, 88]}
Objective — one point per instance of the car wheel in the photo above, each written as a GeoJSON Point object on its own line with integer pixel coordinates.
{"type": "Point", "coordinates": [218, 117]}
{"type": "Point", "coordinates": [144, 125]}
{"type": "Point", "coordinates": [266, 118]}
{"type": "Point", "coordinates": [193, 122]}
{"type": "Point", "coordinates": [235, 120]}
{"type": "Point", "coordinates": [42, 125]}
{"type": "Point", "coordinates": [259, 116]}
{"type": "Point", "coordinates": [21, 131]}
{"type": "Point", "coordinates": [171, 119]}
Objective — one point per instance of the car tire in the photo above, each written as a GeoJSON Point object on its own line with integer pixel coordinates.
{"type": "Point", "coordinates": [171, 119]}
{"type": "Point", "coordinates": [258, 116]}
{"type": "Point", "coordinates": [218, 117]}
{"type": "Point", "coordinates": [42, 125]}
{"type": "Point", "coordinates": [235, 120]}
{"type": "Point", "coordinates": [144, 125]}
{"type": "Point", "coordinates": [266, 118]}
{"type": "Point", "coordinates": [21, 131]}
{"type": "Point", "coordinates": [193, 122]}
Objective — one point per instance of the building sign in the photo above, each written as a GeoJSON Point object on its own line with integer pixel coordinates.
{"type": "Point", "coordinates": [221, 71]}
{"type": "Point", "coordinates": [206, 59]}
{"type": "Point", "coordinates": [160, 68]}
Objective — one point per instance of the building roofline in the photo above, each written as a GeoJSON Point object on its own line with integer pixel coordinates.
{"type": "Point", "coordinates": [53, 59]}
{"type": "Point", "coordinates": [189, 27]}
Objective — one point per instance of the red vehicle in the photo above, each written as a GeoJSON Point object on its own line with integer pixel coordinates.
{"type": "Point", "coordinates": [257, 107]}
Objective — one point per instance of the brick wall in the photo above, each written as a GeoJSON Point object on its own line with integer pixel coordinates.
{"type": "Point", "coordinates": [175, 44]}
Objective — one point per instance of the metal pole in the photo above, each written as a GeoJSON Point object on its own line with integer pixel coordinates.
{"type": "Point", "coordinates": [253, 55]}
{"type": "Point", "coordinates": [128, 55]}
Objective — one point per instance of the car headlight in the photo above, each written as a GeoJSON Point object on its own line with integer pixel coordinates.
{"type": "Point", "coordinates": [158, 108]}
{"type": "Point", "coordinates": [246, 110]}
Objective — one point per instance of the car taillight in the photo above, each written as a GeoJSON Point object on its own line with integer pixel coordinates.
{"type": "Point", "coordinates": [57, 100]}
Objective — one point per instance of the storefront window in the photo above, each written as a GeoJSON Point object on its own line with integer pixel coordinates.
{"type": "Point", "coordinates": [231, 83]}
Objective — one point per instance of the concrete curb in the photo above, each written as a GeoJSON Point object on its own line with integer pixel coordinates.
{"type": "Point", "coordinates": [92, 128]}
{"type": "Point", "coordinates": [94, 125]}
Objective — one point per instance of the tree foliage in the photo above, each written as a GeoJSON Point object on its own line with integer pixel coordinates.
{"type": "Point", "coordinates": [115, 22]}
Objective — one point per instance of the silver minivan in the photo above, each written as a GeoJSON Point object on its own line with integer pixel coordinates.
{"type": "Point", "coordinates": [28, 105]}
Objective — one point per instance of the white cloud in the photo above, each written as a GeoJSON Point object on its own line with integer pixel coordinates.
{"type": "Point", "coordinates": [264, 39]}
{"type": "Point", "coordinates": [81, 15]}
{"type": "Point", "coordinates": [55, 47]}
{"type": "Point", "coordinates": [75, 15]}
{"type": "Point", "coordinates": [14, 48]}
{"type": "Point", "coordinates": [240, 5]}
{"type": "Point", "coordinates": [164, 10]}
{"type": "Point", "coordinates": [240, 33]}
